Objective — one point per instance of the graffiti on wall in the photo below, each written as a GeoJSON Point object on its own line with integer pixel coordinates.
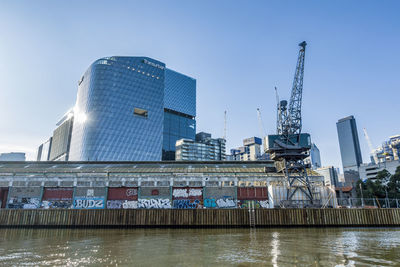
{"type": "Point", "coordinates": [131, 192]}
{"type": "Point", "coordinates": [185, 192]}
{"type": "Point", "coordinates": [186, 203]}
{"type": "Point", "coordinates": [24, 203]}
{"type": "Point", "coordinates": [257, 204]}
{"type": "Point", "coordinates": [226, 202]}
{"type": "Point", "coordinates": [89, 203]}
{"type": "Point", "coordinates": [122, 204]}
{"type": "Point", "coordinates": [56, 204]}
{"type": "Point", "coordinates": [155, 203]}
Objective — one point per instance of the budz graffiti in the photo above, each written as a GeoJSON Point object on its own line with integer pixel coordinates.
{"type": "Point", "coordinates": [89, 203]}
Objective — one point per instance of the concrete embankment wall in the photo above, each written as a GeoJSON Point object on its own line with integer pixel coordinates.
{"type": "Point", "coordinates": [199, 218]}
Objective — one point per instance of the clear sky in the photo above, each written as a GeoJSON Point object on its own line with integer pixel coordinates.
{"type": "Point", "coordinates": [236, 50]}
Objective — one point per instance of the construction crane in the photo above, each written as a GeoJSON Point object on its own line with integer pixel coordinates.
{"type": "Point", "coordinates": [261, 124]}
{"type": "Point", "coordinates": [225, 124]}
{"type": "Point", "coordinates": [289, 148]}
{"type": "Point", "coordinates": [371, 148]}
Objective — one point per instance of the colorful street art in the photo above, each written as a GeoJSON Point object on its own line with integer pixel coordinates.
{"type": "Point", "coordinates": [186, 203]}
{"type": "Point", "coordinates": [256, 204]}
{"type": "Point", "coordinates": [24, 203]}
{"type": "Point", "coordinates": [219, 203]}
{"type": "Point", "coordinates": [89, 203]}
{"type": "Point", "coordinates": [155, 203]}
{"type": "Point", "coordinates": [122, 204]}
{"type": "Point", "coordinates": [56, 204]}
{"type": "Point", "coordinates": [187, 192]}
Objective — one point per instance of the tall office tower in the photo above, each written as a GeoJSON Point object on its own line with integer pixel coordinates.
{"type": "Point", "coordinates": [62, 138]}
{"type": "Point", "coordinates": [43, 153]}
{"type": "Point", "coordinates": [349, 148]}
{"type": "Point", "coordinates": [179, 111]}
{"type": "Point", "coordinates": [203, 148]}
{"type": "Point", "coordinates": [315, 157]}
{"type": "Point", "coordinates": [12, 156]}
{"type": "Point", "coordinates": [129, 109]}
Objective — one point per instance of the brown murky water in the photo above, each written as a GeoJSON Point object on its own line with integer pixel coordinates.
{"type": "Point", "coordinates": [201, 247]}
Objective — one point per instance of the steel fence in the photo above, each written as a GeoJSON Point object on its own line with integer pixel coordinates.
{"type": "Point", "coordinates": [368, 202]}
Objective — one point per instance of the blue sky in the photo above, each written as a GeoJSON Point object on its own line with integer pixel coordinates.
{"type": "Point", "coordinates": [236, 50]}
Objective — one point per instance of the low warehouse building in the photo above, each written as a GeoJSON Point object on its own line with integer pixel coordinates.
{"type": "Point", "coordinates": [160, 185]}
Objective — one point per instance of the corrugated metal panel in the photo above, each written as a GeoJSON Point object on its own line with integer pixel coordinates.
{"type": "Point", "coordinates": [219, 192]}
{"type": "Point", "coordinates": [155, 192]}
{"type": "Point", "coordinates": [60, 193]}
{"type": "Point", "coordinates": [90, 191]}
{"type": "Point", "coordinates": [25, 192]}
{"type": "Point", "coordinates": [252, 193]}
{"type": "Point", "coordinates": [123, 193]}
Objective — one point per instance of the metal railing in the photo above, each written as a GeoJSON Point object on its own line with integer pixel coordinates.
{"type": "Point", "coordinates": [368, 203]}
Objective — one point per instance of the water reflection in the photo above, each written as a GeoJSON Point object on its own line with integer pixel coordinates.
{"type": "Point", "coordinates": [200, 247]}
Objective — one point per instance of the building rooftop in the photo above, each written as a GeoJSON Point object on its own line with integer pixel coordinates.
{"type": "Point", "coordinates": [256, 167]}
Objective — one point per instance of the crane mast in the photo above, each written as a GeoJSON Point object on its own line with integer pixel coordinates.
{"type": "Point", "coordinates": [289, 149]}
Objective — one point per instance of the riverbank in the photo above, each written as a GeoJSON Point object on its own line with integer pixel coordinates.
{"type": "Point", "coordinates": [71, 218]}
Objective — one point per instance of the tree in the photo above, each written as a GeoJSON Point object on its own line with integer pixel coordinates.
{"type": "Point", "coordinates": [383, 185]}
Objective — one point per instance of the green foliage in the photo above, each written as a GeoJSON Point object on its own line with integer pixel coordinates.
{"type": "Point", "coordinates": [382, 184]}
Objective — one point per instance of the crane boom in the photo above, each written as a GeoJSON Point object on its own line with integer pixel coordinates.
{"type": "Point", "coordinates": [225, 125]}
{"type": "Point", "coordinates": [261, 124]}
{"type": "Point", "coordinates": [294, 119]}
{"type": "Point", "coordinates": [371, 148]}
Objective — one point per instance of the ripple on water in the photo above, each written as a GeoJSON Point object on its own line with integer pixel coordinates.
{"type": "Point", "coordinates": [200, 247]}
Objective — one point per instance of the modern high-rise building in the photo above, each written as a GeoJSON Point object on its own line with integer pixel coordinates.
{"type": "Point", "coordinates": [127, 109]}
{"type": "Point", "coordinates": [315, 157]}
{"type": "Point", "coordinates": [203, 148]}
{"type": "Point", "coordinates": [179, 111]}
{"type": "Point", "coordinates": [61, 139]}
{"type": "Point", "coordinates": [349, 148]}
{"type": "Point", "coordinates": [43, 153]}
{"type": "Point", "coordinates": [12, 156]}
{"type": "Point", "coordinates": [389, 151]}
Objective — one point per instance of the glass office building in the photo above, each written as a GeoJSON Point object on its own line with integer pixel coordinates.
{"type": "Point", "coordinates": [349, 148]}
{"type": "Point", "coordinates": [128, 107]}
{"type": "Point", "coordinates": [179, 111]}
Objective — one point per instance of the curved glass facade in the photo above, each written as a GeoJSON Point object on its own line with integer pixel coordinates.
{"type": "Point", "coordinates": [119, 111]}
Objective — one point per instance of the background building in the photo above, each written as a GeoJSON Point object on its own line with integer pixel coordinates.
{"type": "Point", "coordinates": [330, 175]}
{"type": "Point", "coordinates": [390, 150]}
{"type": "Point", "coordinates": [369, 171]}
{"type": "Point", "coordinates": [43, 153]}
{"type": "Point", "coordinates": [127, 109]}
{"type": "Point", "coordinates": [203, 148]}
{"type": "Point", "coordinates": [251, 150]}
{"type": "Point", "coordinates": [349, 148]}
{"type": "Point", "coordinates": [179, 111]}
{"type": "Point", "coordinates": [62, 138]}
{"type": "Point", "coordinates": [12, 156]}
{"type": "Point", "coordinates": [315, 157]}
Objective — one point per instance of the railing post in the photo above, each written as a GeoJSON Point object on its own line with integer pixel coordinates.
{"type": "Point", "coordinates": [374, 202]}
{"type": "Point", "coordinates": [397, 203]}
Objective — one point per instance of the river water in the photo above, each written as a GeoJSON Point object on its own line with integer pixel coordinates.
{"type": "Point", "coordinates": [201, 247]}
